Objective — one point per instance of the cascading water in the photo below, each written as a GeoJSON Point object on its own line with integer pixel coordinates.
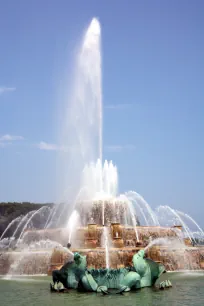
{"type": "Point", "coordinates": [175, 218]}
{"type": "Point", "coordinates": [191, 220]}
{"type": "Point", "coordinates": [18, 219]}
{"type": "Point", "coordinates": [139, 200]}
{"type": "Point", "coordinates": [23, 220]}
{"type": "Point", "coordinates": [44, 208]}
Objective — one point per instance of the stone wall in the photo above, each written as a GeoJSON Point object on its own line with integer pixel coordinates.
{"type": "Point", "coordinates": [44, 262]}
{"type": "Point", "coordinates": [19, 263]}
{"type": "Point", "coordinates": [191, 258]}
{"type": "Point", "coordinates": [88, 241]}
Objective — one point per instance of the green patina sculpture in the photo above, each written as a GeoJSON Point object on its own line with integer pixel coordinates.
{"type": "Point", "coordinates": [143, 273]}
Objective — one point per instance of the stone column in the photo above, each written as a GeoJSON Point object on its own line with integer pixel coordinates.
{"type": "Point", "coordinates": [92, 241]}
{"type": "Point", "coordinates": [117, 235]}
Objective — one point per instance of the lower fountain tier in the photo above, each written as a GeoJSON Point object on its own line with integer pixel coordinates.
{"type": "Point", "coordinates": [25, 263]}
{"type": "Point", "coordinates": [45, 261]}
{"type": "Point", "coordinates": [175, 259]}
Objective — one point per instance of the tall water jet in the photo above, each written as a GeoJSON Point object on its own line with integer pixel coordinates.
{"type": "Point", "coordinates": [82, 140]}
{"type": "Point", "coordinates": [90, 70]}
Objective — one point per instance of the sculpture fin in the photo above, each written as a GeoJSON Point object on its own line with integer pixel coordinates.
{"type": "Point", "coordinates": [103, 289]}
{"type": "Point", "coordinates": [123, 289]}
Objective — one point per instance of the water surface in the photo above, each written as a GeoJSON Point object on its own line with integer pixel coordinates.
{"type": "Point", "coordinates": [188, 289]}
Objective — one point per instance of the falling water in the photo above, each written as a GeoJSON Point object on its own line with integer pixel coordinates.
{"type": "Point", "coordinates": [29, 220]}
{"type": "Point", "coordinates": [23, 220]}
{"type": "Point", "coordinates": [176, 215]}
{"type": "Point", "coordinates": [134, 220]}
{"type": "Point", "coordinates": [139, 200]}
{"type": "Point", "coordinates": [158, 241]}
{"type": "Point", "coordinates": [103, 212]}
{"type": "Point", "coordinates": [192, 220]}
{"type": "Point", "coordinates": [106, 245]}
{"type": "Point", "coordinates": [51, 216]}
{"type": "Point", "coordinates": [72, 223]}
{"type": "Point", "coordinates": [142, 213]}
{"type": "Point", "coordinates": [177, 252]}
{"type": "Point", "coordinates": [10, 224]}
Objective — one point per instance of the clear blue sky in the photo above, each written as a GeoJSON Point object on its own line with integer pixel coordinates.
{"type": "Point", "coordinates": [153, 61]}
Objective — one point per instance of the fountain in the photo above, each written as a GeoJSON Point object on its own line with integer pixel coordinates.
{"type": "Point", "coordinates": [107, 228]}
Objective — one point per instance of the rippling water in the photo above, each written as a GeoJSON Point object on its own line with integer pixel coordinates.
{"type": "Point", "coordinates": [188, 289]}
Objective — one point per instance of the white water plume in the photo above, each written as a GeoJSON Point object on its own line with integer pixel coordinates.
{"type": "Point", "coordinates": [82, 125]}
{"type": "Point", "coordinates": [169, 243]}
{"type": "Point", "coordinates": [72, 224]}
{"type": "Point", "coordinates": [105, 244]}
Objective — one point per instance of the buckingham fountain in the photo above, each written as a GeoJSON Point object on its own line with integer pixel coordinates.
{"type": "Point", "coordinates": [97, 238]}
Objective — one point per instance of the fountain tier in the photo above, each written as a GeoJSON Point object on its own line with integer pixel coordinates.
{"type": "Point", "coordinates": [162, 244]}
